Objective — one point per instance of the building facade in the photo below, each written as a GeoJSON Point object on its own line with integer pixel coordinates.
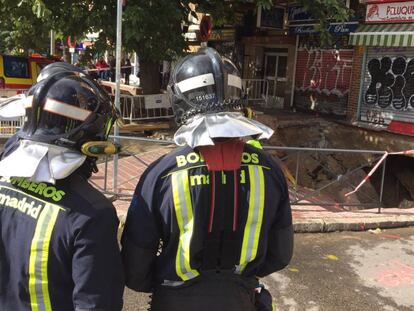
{"type": "Point", "coordinates": [383, 88]}
{"type": "Point", "coordinates": [299, 72]}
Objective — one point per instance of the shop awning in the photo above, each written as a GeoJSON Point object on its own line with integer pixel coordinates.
{"type": "Point", "coordinates": [398, 35]}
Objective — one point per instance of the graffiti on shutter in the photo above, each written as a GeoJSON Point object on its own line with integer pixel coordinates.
{"type": "Point", "coordinates": [323, 79]}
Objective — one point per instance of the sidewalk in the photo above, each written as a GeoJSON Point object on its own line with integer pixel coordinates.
{"type": "Point", "coordinates": [309, 218]}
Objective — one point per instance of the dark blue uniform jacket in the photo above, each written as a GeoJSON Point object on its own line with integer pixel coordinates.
{"type": "Point", "coordinates": [185, 220]}
{"type": "Point", "coordinates": [58, 247]}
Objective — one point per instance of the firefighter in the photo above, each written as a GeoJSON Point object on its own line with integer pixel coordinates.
{"type": "Point", "coordinates": [212, 217]}
{"type": "Point", "coordinates": [58, 235]}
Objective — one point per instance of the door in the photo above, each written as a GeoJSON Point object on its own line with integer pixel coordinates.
{"type": "Point", "coordinates": [275, 74]}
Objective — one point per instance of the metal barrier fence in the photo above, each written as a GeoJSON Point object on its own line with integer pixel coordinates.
{"type": "Point", "coordinates": [144, 107]}
{"type": "Point", "coordinates": [256, 90]}
{"type": "Point", "coordinates": [372, 156]}
{"type": "Point", "coordinates": [133, 109]}
{"type": "Point", "coordinates": [297, 195]}
{"type": "Point", "coordinates": [4, 93]}
{"type": "Point", "coordinates": [8, 128]}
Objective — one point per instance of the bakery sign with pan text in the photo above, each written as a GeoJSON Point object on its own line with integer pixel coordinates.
{"type": "Point", "coordinates": [396, 12]}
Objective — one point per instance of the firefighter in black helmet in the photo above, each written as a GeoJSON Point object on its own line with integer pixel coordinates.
{"type": "Point", "coordinates": [58, 235]}
{"type": "Point", "coordinates": [210, 218]}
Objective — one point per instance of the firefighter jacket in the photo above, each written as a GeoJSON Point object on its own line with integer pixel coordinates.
{"type": "Point", "coordinates": [185, 220]}
{"type": "Point", "coordinates": [58, 247]}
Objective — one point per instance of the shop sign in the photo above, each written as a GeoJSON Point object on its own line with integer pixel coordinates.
{"type": "Point", "coordinates": [334, 28]}
{"type": "Point", "coordinates": [395, 12]}
{"type": "Point", "coordinates": [299, 14]}
{"type": "Point", "coordinates": [379, 1]}
{"type": "Point", "coordinates": [222, 35]}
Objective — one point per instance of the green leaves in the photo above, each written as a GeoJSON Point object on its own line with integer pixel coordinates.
{"type": "Point", "coordinates": [152, 28]}
{"type": "Point", "coordinates": [20, 29]}
{"type": "Point", "coordinates": [325, 11]}
{"type": "Point", "coordinates": [40, 10]}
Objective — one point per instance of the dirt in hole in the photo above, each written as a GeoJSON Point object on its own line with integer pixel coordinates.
{"type": "Point", "coordinates": [317, 169]}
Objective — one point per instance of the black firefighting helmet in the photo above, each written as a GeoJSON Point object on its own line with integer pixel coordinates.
{"type": "Point", "coordinates": [57, 67]}
{"type": "Point", "coordinates": [204, 83]}
{"type": "Point", "coordinates": [68, 108]}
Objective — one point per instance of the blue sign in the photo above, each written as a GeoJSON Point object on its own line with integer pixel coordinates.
{"type": "Point", "coordinates": [334, 28]}
{"type": "Point", "coordinates": [272, 18]}
{"type": "Point", "coordinates": [299, 14]}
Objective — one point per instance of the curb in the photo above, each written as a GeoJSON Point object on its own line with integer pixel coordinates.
{"type": "Point", "coordinates": [356, 222]}
{"type": "Point", "coordinates": [318, 225]}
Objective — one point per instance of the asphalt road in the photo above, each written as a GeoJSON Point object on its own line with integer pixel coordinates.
{"type": "Point", "coordinates": [340, 271]}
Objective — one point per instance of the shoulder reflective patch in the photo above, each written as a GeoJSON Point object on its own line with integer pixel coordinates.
{"type": "Point", "coordinates": [66, 110]}
{"type": "Point", "coordinates": [39, 257]}
{"type": "Point", "coordinates": [254, 221]}
{"type": "Point", "coordinates": [235, 81]}
{"type": "Point", "coordinates": [255, 143]}
{"type": "Point", "coordinates": [21, 201]}
{"type": "Point", "coordinates": [184, 213]}
{"type": "Point", "coordinates": [196, 82]}
{"type": "Point", "coordinates": [48, 191]}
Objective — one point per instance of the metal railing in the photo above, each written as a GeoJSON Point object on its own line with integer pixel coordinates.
{"type": "Point", "coordinates": [137, 108]}
{"type": "Point", "coordinates": [319, 155]}
{"type": "Point", "coordinates": [256, 90]}
{"type": "Point", "coordinates": [299, 195]}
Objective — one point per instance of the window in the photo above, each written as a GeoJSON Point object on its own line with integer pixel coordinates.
{"type": "Point", "coordinates": [16, 67]}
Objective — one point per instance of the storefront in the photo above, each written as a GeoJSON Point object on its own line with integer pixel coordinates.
{"type": "Point", "coordinates": [386, 95]}
{"type": "Point", "coordinates": [323, 78]}
{"type": "Point", "coordinates": [323, 75]}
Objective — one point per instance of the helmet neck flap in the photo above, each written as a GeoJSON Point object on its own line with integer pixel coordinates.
{"type": "Point", "coordinates": [206, 95]}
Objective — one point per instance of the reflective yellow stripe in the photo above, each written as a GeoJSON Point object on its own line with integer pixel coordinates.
{"type": "Point", "coordinates": [184, 213]}
{"type": "Point", "coordinates": [255, 143]}
{"type": "Point", "coordinates": [253, 225]}
{"type": "Point", "coordinates": [39, 256]}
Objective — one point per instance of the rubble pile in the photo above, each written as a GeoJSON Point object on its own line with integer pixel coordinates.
{"type": "Point", "coordinates": [317, 169]}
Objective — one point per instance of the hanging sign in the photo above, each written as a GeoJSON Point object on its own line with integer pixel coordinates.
{"type": "Point", "coordinates": [333, 28]}
{"type": "Point", "coordinates": [396, 12]}
{"type": "Point", "coordinates": [206, 28]}
{"type": "Point", "coordinates": [379, 1]}
{"type": "Point", "coordinates": [272, 18]}
{"type": "Point", "coordinates": [299, 14]}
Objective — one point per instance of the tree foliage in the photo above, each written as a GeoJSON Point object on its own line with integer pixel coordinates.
{"type": "Point", "coordinates": [152, 28]}
{"type": "Point", "coordinates": [325, 11]}
{"type": "Point", "coordinates": [20, 30]}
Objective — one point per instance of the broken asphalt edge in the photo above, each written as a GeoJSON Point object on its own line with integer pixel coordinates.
{"type": "Point", "coordinates": [319, 225]}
